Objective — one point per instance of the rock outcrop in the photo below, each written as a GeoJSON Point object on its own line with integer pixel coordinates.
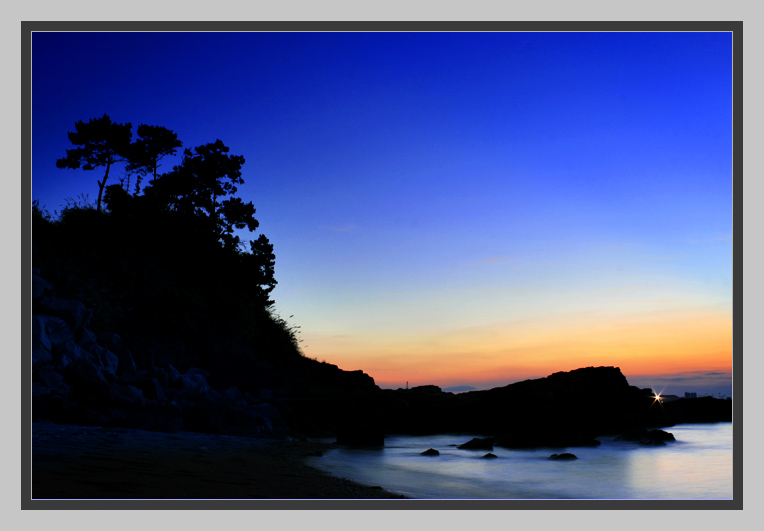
{"type": "Point", "coordinates": [92, 379]}
{"type": "Point", "coordinates": [566, 409]}
{"type": "Point", "coordinates": [563, 409]}
{"type": "Point", "coordinates": [478, 444]}
{"type": "Point", "coordinates": [647, 437]}
{"type": "Point", "coordinates": [563, 457]}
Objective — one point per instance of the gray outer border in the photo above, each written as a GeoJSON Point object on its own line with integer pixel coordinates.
{"type": "Point", "coordinates": [735, 27]}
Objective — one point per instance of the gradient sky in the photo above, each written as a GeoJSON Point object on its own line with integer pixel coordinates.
{"type": "Point", "coordinates": [457, 209]}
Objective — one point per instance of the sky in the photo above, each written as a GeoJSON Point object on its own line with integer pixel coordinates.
{"type": "Point", "coordinates": [456, 209]}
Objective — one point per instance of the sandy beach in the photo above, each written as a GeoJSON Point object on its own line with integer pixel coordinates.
{"type": "Point", "coordinates": [76, 462]}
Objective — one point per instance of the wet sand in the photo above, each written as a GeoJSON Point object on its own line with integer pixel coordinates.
{"type": "Point", "coordinates": [76, 462]}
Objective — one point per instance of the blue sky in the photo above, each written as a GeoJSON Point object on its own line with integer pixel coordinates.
{"type": "Point", "coordinates": [441, 204]}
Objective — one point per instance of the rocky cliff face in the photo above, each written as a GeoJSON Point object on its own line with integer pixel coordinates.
{"type": "Point", "coordinates": [86, 378]}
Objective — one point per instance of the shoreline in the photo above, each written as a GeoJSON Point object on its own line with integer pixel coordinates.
{"type": "Point", "coordinates": [72, 462]}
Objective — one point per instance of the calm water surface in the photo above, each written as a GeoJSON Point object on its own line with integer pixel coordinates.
{"type": "Point", "coordinates": [697, 466]}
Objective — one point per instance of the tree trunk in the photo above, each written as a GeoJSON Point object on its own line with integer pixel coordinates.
{"type": "Point", "coordinates": [101, 185]}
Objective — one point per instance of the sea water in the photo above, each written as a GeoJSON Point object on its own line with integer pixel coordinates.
{"type": "Point", "coordinates": [697, 466]}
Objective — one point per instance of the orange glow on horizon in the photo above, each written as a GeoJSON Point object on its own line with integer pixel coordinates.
{"type": "Point", "coordinates": [647, 344]}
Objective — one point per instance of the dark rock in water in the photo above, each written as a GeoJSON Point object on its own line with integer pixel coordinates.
{"type": "Point", "coordinates": [489, 456]}
{"type": "Point", "coordinates": [431, 451]}
{"type": "Point", "coordinates": [632, 435]}
{"type": "Point", "coordinates": [647, 438]}
{"type": "Point", "coordinates": [660, 435]}
{"type": "Point", "coordinates": [656, 438]}
{"type": "Point", "coordinates": [563, 457]}
{"type": "Point", "coordinates": [478, 444]}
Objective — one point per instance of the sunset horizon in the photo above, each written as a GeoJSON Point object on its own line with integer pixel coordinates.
{"type": "Point", "coordinates": [450, 209]}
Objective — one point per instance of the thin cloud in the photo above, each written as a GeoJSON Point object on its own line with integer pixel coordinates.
{"type": "Point", "coordinates": [695, 376]}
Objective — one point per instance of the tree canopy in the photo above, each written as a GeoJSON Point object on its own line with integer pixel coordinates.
{"type": "Point", "coordinates": [197, 198]}
{"type": "Point", "coordinates": [153, 143]}
{"type": "Point", "coordinates": [101, 144]}
{"type": "Point", "coordinates": [200, 186]}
